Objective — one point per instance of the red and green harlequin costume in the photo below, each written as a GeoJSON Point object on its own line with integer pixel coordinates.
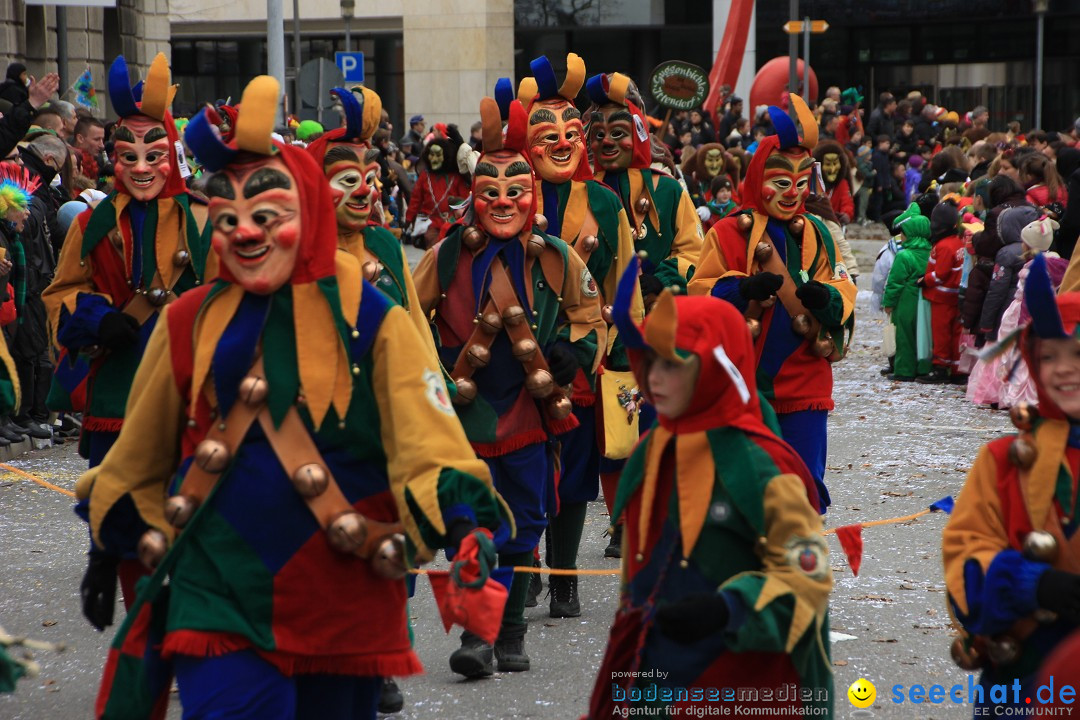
{"type": "Point", "coordinates": [253, 570]}
{"type": "Point", "coordinates": [714, 502]}
{"type": "Point", "coordinates": [112, 253]}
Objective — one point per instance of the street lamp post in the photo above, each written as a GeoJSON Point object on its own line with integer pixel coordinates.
{"type": "Point", "coordinates": [1041, 6]}
{"type": "Point", "coordinates": [347, 9]}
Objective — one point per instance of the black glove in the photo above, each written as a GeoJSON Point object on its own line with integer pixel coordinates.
{"type": "Point", "coordinates": [98, 590]}
{"type": "Point", "coordinates": [118, 330]}
{"type": "Point", "coordinates": [1059, 591]}
{"type": "Point", "coordinates": [813, 295]}
{"type": "Point", "coordinates": [650, 285]}
{"type": "Point", "coordinates": [761, 286]}
{"type": "Point", "coordinates": [456, 532]}
{"type": "Point", "coordinates": [693, 617]}
{"type": "Point", "coordinates": [562, 364]}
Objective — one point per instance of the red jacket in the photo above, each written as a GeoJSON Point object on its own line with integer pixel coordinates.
{"type": "Point", "coordinates": [943, 270]}
{"type": "Point", "coordinates": [840, 199]}
{"type": "Point", "coordinates": [431, 196]}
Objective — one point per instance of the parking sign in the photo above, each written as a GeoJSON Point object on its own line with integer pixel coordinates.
{"type": "Point", "coordinates": [352, 65]}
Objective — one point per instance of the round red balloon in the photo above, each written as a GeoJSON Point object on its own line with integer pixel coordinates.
{"type": "Point", "coordinates": [771, 82]}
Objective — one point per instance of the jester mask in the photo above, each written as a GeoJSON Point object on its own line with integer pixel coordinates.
{"type": "Point", "coordinates": [555, 139]}
{"type": "Point", "coordinates": [778, 179]}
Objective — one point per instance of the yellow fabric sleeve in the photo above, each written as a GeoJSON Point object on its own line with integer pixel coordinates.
{"type": "Point", "coordinates": [420, 430]}
{"type": "Point", "coordinates": [792, 527]}
{"type": "Point", "coordinates": [426, 282]}
{"type": "Point", "coordinates": [688, 241]}
{"type": "Point", "coordinates": [416, 313]}
{"type": "Point", "coordinates": [147, 452]}
{"type": "Point", "coordinates": [72, 276]}
{"type": "Point", "coordinates": [582, 311]}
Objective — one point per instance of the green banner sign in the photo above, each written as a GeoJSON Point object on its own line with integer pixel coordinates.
{"type": "Point", "coordinates": [679, 85]}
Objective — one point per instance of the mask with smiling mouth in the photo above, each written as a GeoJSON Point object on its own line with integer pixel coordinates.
{"type": "Point", "coordinates": [777, 180]}
{"type": "Point", "coordinates": [555, 137]}
{"type": "Point", "coordinates": [146, 135]}
{"type": "Point", "coordinates": [618, 135]}
{"type": "Point", "coordinates": [503, 193]}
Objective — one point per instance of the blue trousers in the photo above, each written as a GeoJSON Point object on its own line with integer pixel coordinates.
{"type": "Point", "coordinates": [522, 478]}
{"type": "Point", "coordinates": [807, 432]}
{"type": "Point", "coordinates": [579, 480]}
{"type": "Point", "coordinates": [243, 686]}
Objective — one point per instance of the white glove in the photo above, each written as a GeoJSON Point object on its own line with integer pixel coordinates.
{"type": "Point", "coordinates": [704, 213]}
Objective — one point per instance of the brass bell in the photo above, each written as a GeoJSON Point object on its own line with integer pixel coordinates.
{"type": "Point", "coordinates": [763, 252]}
{"type": "Point", "coordinates": [491, 322]}
{"type": "Point", "coordinates": [478, 356]}
{"type": "Point", "coordinates": [348, 532]}
{"type": "Point", "coordinates": [539, 383]}
{"type": "Point", "coordinates": [466, 391]}
{"type": "Point", "coordinates": [755, 327]}
{"type": "Point", "coordinates": [253, 390]}
{"type": "Point", "coordinates": [824, 347]}
{"type": "Point", "coordinates": [525, 349]}
{"type": "Point", "coordinates": [1040, 545]}
{"type": "Point", "coordinates": [212, 456]}
{"type": "Point", "coordinates": [311, 480]}
{"type": "Point", "coordinates": [1023, 416]}
{"type": "Point", "coordinates": [607, 313]}
{"type": "Point", "coordinates": [181, 258]}
{"type": "Point", "coordinates": [766, 304]}
{"type": "Point", "coordinates": [152, 547]}
{"type": "Point", "coordinates": [642, 205]}
{"type": "Point", "coordinates": [157, 296]}
{"type": "Point", "coordinates": [389, 558]}
{"type": "Point", "coordinates": [589, 243]}
{"type": "Point", "coordinates": [370, 268]}
{"type": "Point", "coordinates": [797, 224]}
{"type": "Point", "coordinates": [1044, 616]}
{"type": "Point", "coordinates": [1022, 453]}
{"type": "Point", "coordinates": [535, 246]}
{"type": "Point", "coordinates": [541, 222]}
{"type": "Point", "coordinates": [94, 351]}
{"type": "Point", "coordinates": [800, 325]}
{"type": "Point", "coordinates": [1003, 650]}
{"type": "Point", "coordinates": [472, 237]}
{"type": "Point", "coordinates": [966, 658]}
{"type": "Point", "coordinates": [744, 222]}
{"type": "Point", "coordinates": [559, 408]}
{"type": "Point", "coordinates": [513, 315]}
{"type": "Point", "coordinates": [179, 509]}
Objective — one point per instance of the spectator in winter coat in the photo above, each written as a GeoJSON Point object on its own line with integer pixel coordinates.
{"type": "Point", "coordinates": [1068, 166]}
{"type": "Point", "coordinates": [16, 120]}
{"type": "Point", "coordinates": [882, 120]}
{"type": "Point", "coordinates": [941, 286]}
{"type": "Point", "coordinates": [14, 89]}
{"type": "Point", "coordinates": [1007, 264]}
{"type": "Point", "coordinates": [1002, 193]}
{"type": "Point", "coordinates": [912, 177]}
{"type": "Point", "coordinates": [1044, 186]}
{"type": "Point", "coordinates": [882, 174]}
{"type": "Point", "coordinates": [907, 144]}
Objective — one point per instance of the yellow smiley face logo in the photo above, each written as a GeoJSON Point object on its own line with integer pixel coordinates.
{"type": "Point", "coordinates": [862, 693]}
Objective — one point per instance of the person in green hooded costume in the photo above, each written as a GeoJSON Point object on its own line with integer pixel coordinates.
{"type": "Point", "coordinates": [902, 292]}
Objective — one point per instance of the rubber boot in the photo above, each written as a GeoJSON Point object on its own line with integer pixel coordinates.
{"type": "Point", "coordinates": [614, 546]}
{"type": "Point", "coordinates": [390, 698]}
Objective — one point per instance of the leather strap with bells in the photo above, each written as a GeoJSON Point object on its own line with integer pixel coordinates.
{"type": "Point", "coordinates": [786, 293]}
{"type": "Point", "coordinates": [349, 531]}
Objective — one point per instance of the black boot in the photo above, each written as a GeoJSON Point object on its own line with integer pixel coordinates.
{"type": "Point", "coordinates": [888, 370]}
{"type": "Point", "coordinates": [390, 699]}
{"type": "Point", "coordinates": [937, 376]}
{"type": "Point", "coordinates": [614, 546]}
{"type": "Point", "coordinates": [536, 586]}
{"type": "Point", "coordinates": [510, 649]}
{"type": "Point", "coordinates": [474, 658]}
{"type": "Point", "coordinates": [564, 597]}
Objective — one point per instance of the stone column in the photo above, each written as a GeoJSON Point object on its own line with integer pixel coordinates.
{"type": "Point", "coordinates": [454, 51]}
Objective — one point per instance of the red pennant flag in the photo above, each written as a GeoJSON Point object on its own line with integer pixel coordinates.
{"type": "Point", "coordinates": [477, 609]}
{"type": "Point", "coordinates": [850, 537]}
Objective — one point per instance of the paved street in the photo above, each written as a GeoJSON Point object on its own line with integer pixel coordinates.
{"type": "Point", "coordinates": [894, 449]}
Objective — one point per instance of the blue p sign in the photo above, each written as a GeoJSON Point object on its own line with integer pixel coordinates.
{"type": "Point", "coordinates": [352, 65]}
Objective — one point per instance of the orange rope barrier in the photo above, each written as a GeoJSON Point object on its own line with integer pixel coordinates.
{"type": "Point", "coordinates": [886, 521]}
{"type": "Point", "coordinates": [39, 481]}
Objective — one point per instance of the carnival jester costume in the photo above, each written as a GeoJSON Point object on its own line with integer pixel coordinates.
{"type": "Point", "coordinates": [127, 258]}
{"type": "Point", "coordinates": [351, 166]}
{"type": "Point", "coordinates": [726, 575]}
{"type": "Point", "coordinates": [664, 221]}
{"type": "Point", "coordinates": [589, 218]}
{"type": "Point", "coordinates": [518, 315]}
{"type": "Point", "coordinates": [1010, 549]}
{"type": "Point", "coordinates": [309, 447]}
{"type": "Point", "coordinates": [780, 267]}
